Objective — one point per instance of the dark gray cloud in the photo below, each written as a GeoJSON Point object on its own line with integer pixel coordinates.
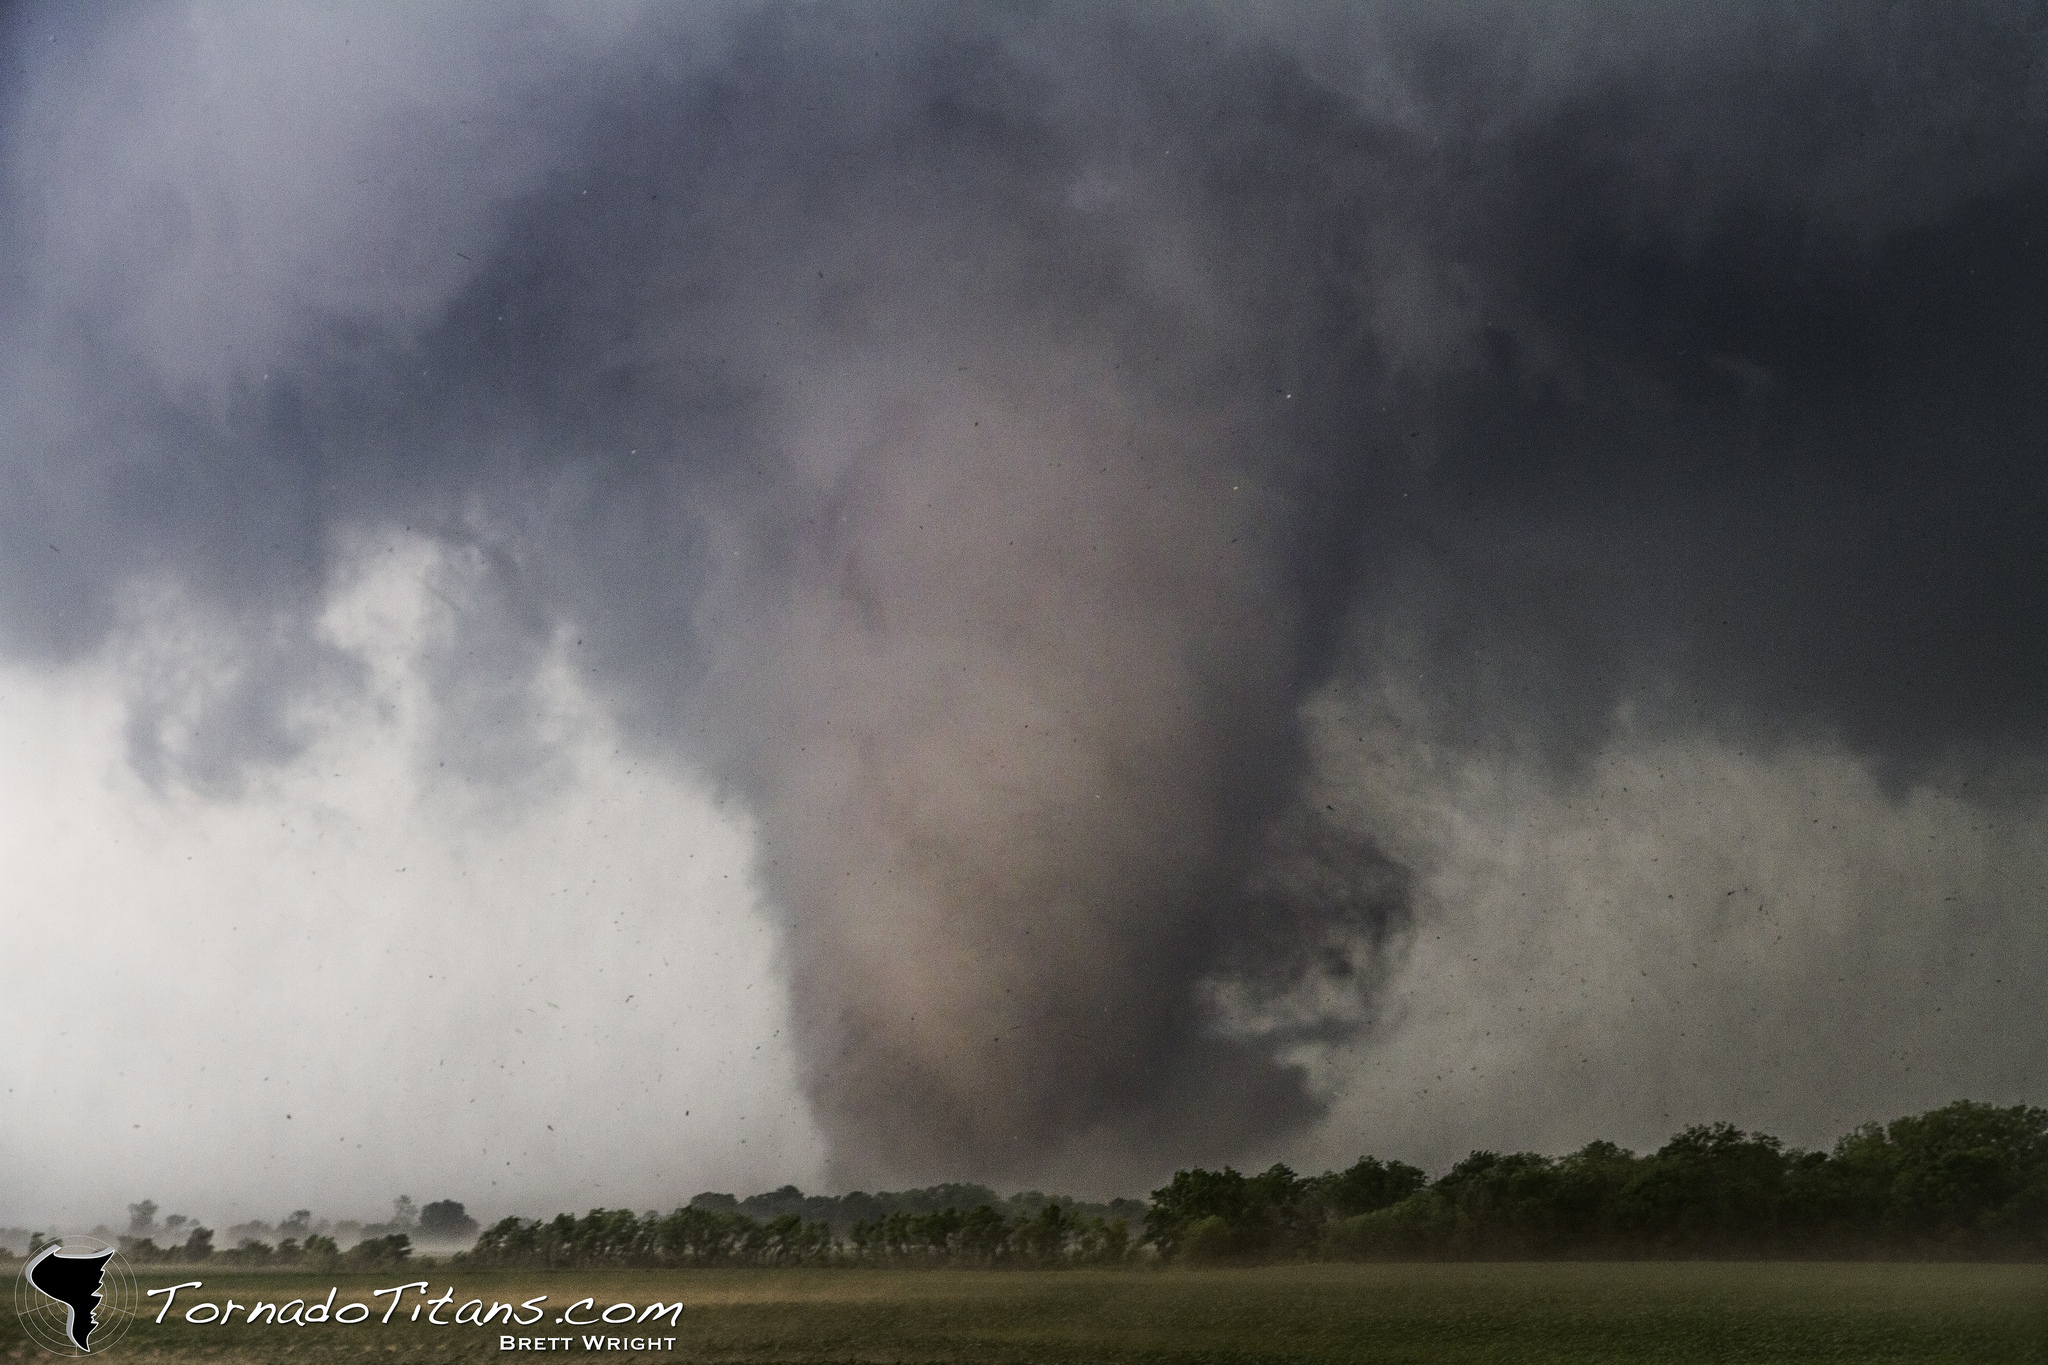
{"type": "Point", "coordinates": [972, 436]}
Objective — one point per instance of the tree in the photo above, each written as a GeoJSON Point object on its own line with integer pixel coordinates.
{"type": "Point", "coordinates": [321, 1253]}
{"type": "Point", "coordinates": [142, 1218]}
{"type": "Point", "coordinates": [1960, 1179]}
{"type": "Point", "coordinates": [445, 1220]}
{"type": "Point", "coordinates": [1207, 1240]}
{"type": "Point", "coordinates": [1367, 1185]}
{"type": "Point", "coordinates": [1263, 1213]}
{"type": "Point", "coordinates": [1508, 1201]}
{"type": "Point", "coordinates": [984, 1235]}
{"type": "Point", "coordinates": [1711, 1188]}
{"type": "Point", "coordinates": [250, 1251]}
{"type": "Point", "coordinates": [379, 1253]}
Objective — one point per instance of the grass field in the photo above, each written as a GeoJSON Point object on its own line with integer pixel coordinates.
{"type": "Point", "coordinates": [1623, 1313]}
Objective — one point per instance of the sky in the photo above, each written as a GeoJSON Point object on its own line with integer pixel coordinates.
{"type": "Point", "coordinates": [604, 602]}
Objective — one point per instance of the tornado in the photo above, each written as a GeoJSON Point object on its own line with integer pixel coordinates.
{"type": "Point", "coordinates": [1119, 499]}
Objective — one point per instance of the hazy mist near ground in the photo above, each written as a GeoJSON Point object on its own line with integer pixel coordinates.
{"type": "Point", "coordinates": [602, 603]}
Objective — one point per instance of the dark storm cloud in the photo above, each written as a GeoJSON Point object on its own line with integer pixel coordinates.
{"type": "Point", "coordinates": [1750, 428]}
{"type": "Point", "coordinates": [970, 435]}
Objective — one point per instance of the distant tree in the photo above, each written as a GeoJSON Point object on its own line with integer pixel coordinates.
{"type": "Point", "coordinates": [1193, 1196]}
{"type": "Point", "coordinates": [1506, 1202]}
{"type": "Point", "coordinates": [379, 1253]}
{"type": "Point", "coordinates": [142, 1218]}
{"type": "Point", "coordinates": [785, 1241]}
{"type": "Point", "coordinates": [1043, 1240]}
{"type": "Point", "coordinates": [199, 1246]}
{"type": "Point", "coordinates": [1712, 1188]}
{"type": "Point", "coordinates": [1367, 1185]}
{"type": "Point", "coordinates": [984, 1235]}
{"type": "Point", "coordinates": [403, 1214]}
{"type": "Point", "coordinates": [143, 1250]}
{"type": "Point", "coordinates": [298, 1225]}
{"type": "Point", "coordinates": [1586, 1195]}
{"type": "Point", "coordinates": [445, 1220]}
{"type": "Point", "coordinates": [1103, 1241]}
{"type": "Point", "coordinates": [1130, 1210]}
{"type": "Point", "coordinates": [1959, 1166]}
{"type": "Point", "coordinates": [1261, 1214]}
{"type": "Point", "coordinates": [249, 1251]}
{"type": "Point", "coordinates": [1207, 1241]}
{"type": "Point", "coordinates": [1426, 1225]}
{"type": "Point", "coordinates": [1965, 1180]}
{"type": "Point", "coordinates": [1957, 1180]}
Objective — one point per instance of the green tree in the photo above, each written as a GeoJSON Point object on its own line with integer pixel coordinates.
{"type": "Point", "coordinates": [1366, 1185]}
{"type": "Point", "coordinates": [445, 1220]}
{"type": "Point", "coordinates": [321, 1252]}
{"type": "Point", "coordinates": [379, 1253]}
{"type": "Point", "coordinates": [144, 1250]}
{"type": "Point", "coordinates": [1711, 1189]}
{"type": "Point", "coordinates": [1507, 1203]}
{"type": "Point", "coordinates": [1262, 1215]}
{"type": "Point", "coordinates": [984, 1236]}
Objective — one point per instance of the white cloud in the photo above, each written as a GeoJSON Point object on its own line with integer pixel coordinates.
{"type": "Point", "coordinates": [554, 1002]}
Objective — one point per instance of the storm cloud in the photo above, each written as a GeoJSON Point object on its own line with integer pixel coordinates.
{"type": "Point", "coordinates": [1162, 519]}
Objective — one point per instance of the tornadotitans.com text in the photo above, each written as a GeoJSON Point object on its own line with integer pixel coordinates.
{"type": "Point", "coordinates": [411, 1302]}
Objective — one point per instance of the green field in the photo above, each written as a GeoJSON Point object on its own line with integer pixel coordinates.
{"type": "Point", "coordinates": [1624, 1313]}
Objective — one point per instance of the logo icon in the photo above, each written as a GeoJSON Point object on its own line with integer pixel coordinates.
{"type": "Point", "coordinates": [75, 1296]}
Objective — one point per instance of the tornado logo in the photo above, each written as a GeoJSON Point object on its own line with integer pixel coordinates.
{"type": "Point", "coordinates": [75, 1296]}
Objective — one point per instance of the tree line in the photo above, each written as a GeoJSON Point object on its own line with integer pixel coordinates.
{"type": "Point", "coordinates": [317, 1252]}
{"type": "Point", "coordinates": [694, 1236]}
{"type": "Point", "coordinates": [1968, 1180]}
{"type": "Point", "coordinates": [302, 1243]}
